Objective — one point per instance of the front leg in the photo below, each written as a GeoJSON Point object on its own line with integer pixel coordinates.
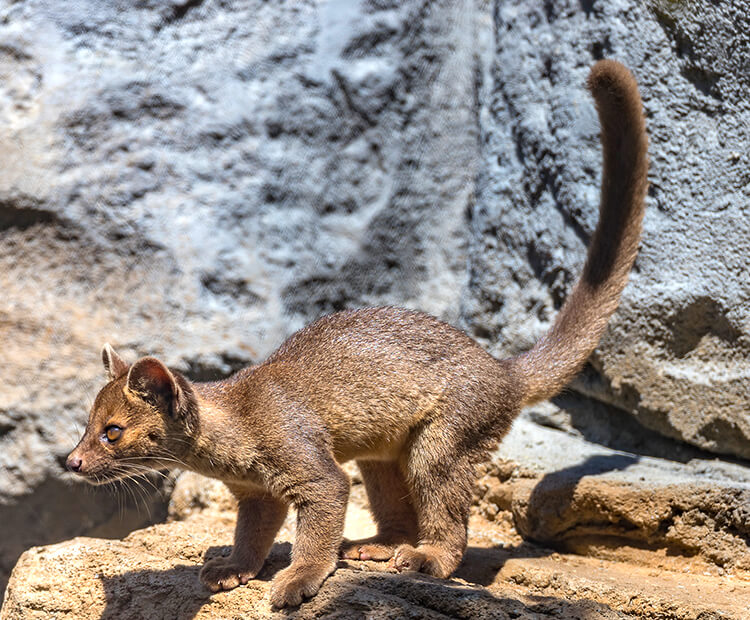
{"type": "Point", "coordinates": [321, 507]}
{"type": "Point", "coordinates": [258, 520]}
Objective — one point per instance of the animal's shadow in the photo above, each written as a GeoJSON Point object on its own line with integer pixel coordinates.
{"type": "Point", "coordinates": [175, 593]}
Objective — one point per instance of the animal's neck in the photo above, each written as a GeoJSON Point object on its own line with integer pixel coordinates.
{"type": "Point", "coordinates": [215, 441]}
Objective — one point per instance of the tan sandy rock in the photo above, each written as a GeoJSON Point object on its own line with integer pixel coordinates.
{"type": "Point", "coordinates": [153, 573]}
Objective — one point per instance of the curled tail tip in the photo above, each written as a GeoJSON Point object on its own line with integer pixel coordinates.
{"type": "Point", "coordinates": [614, 88]}
{"type": "Point", "coordinates": [559, 355]}
{"type": "Point", "coordinates": [609, 76]}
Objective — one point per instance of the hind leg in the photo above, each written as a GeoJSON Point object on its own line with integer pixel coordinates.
{"type": "Point", "coordinates": [440, 478]}
{"type": "Point", "coordinates": [391, 507]}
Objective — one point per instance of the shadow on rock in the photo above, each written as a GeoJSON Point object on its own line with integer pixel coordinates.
{"type": "Point", "coordinates": [359, 594]}
{"type": "Point", "coordinates": [178, 594]}
{"type": "Point", "coordinates": [547, 511]}
{"type": "Point", "coordinates": [481, 565]}
{"type": "Point", "coordinates": [607, 425]}
{"type": "Point", "coordinates": [174, 593]}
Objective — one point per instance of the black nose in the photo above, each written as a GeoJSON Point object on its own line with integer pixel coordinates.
{"type": "Point", "coordinates": [74, 463]}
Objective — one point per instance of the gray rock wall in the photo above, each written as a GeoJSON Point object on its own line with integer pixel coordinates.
{"type": "Point", "coordinates": [197, 180]}
{"type": "Point", "coordinates": [676, 353]}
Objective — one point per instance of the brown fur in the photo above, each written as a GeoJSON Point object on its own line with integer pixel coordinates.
{"type": "Point", "coordinates": [415, 401]}
{"type": "Point", "coordinates": [559, 355]}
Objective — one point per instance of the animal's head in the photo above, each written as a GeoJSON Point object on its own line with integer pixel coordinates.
{"type": "Point", "coordinates": [140, 420]}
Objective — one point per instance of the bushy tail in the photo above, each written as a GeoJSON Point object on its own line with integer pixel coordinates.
{"type": "Point", "coordinates": [561, 353]}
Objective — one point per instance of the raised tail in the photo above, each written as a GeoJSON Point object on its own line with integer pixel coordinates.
{"type": "Point", "coordinates": [561, 353]}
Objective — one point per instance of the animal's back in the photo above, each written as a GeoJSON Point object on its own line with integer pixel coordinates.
{"type": "Point", "coordinates": [374, 374]}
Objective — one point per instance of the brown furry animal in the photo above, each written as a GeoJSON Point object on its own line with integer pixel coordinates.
{"type": "Point", "coordinates": [415, 401]}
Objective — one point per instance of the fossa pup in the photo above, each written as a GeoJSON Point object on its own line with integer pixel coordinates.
{"type": "Point", "coordinates": [415, 401]}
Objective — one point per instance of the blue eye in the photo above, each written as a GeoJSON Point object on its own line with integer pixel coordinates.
{"type": "Point", "coordinates": [112, 433]}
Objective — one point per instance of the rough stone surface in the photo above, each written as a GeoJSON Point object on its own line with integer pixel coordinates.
{"type": "Point", "coordinates": [197, 180]}
{"type": "Point", "coordinates": [676, 354]}
{"type": "Point", "coordinates": [153, 573]}
{"type": "Point", "coordinates": [574, 495]}
{"type": "Point", "coordinates": [58, 509]}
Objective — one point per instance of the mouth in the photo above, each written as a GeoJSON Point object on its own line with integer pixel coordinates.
{"type": "Point", "coordinates": [101, 476]}
{"type": "Point", "coordinates": [117, 472]}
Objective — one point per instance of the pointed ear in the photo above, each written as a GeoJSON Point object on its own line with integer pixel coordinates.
{"type": "Point", "coordinates": [113, 363]}
{"type": "Point", "coordinates": [153, 382]}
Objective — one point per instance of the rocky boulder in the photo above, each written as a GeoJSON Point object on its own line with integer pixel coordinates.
{"type": "Point", "coordinates": [582, 497]}
{"type": "Point", "coordinates": [627, 572]}
{"type": "Point", "coordinates": [676, 353]}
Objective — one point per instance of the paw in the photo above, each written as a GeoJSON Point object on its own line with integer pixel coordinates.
{"type": "Point", "coordinates": [225, 574]}
{"type": "Point", "coordinates": [408, 559]}
{"type": "Point", "coordinates": [381, 547]}
{"type": "Point", "coordinates": [373, 551]}
{"type": "Point", "coordinates": [424, 559]}
{"type": "Point", "coordinates": [295, 583]}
